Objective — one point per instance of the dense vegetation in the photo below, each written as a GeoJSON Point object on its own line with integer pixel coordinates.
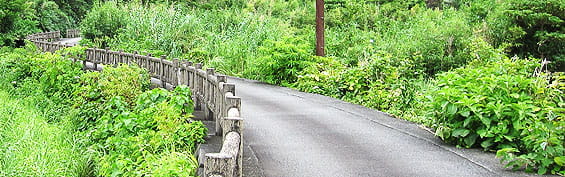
{"type": "Point", "coordinates": [445, 64]}
{"type": "Point", "coordinates": [31, 146]}
{"type": "Point", "coordinates": [91, 123]}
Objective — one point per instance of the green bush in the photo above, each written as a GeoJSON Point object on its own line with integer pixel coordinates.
{"type": "Point", "coordinates": [321, 77]}
{"type": "Point", "coordinates": [133, 131]}
{"type": "Point", "coordinates": [499, 105]}
{"type": "Point", "coordinates": [530, 28]}
{"type": "Point", "coordinates": [48, 77]}
{"type": "Point", "coordinates": [543, 141]}
{"type": "Point", "coordinates": [143, 139]}
{"type": "Point", "coordinates": [103, 22]}
{"type": "Point", "coordinates": [125, 81]}
{"type": "Point", "coordinates": [98, 87]}
{"type": "Point", "coordinates": [282, 61]}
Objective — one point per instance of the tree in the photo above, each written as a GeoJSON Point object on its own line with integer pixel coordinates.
{"type": "Point", "coordinates": [17, 19]}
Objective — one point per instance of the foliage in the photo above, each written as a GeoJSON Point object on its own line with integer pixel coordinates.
{"type": "Point", "coordinates": [499, 105]}
{"type": "Point", "coordinates": [114, 128]}
{"type": "Point", "coordinates": [135, 131]}
{"type": "Point", "coordinates": [531, 28]}
{"type": "Point", "coordinates": [75, 9]}
{"type": "Point", "coordinates": [378, 84]}
{"type": "Point", "coordinates": [227, 39]}
{"type": "Point", "coordinates": [321, 77]}
{"type": "Point", "coordinates": [35, 97]}
{"type": "Point", "coordinates": [76, 53]}
{"type": "Point", "coordinates": [16, 21]}
{"type": "Point", "coordinates": [282, 61]}
{"type": "Point", "coordinates": [49, 151]}
{"type": "Point", "coordinates": [50, 78]}
{"type": "Point", "coordinates": [124, 81]}
{"type": "Point", "coordinates": [102, 22]}
{"type": "Point", "coordinates": [98, 87]}
{"type": "Point", "coordinates": [50, 16]}
{"type": "Point", "coordinates": [543, 143]}
{"type": "Point", "coordinates": [144, 139]}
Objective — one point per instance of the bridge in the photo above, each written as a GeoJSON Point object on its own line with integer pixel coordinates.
{"type": "Point", "coordinates": [291, 133]}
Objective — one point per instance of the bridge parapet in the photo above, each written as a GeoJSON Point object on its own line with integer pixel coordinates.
{"type": "Point", "coordinates": [45, 37]}
{"type": "Point", "coordinates": [210, 91]}
{"type": "Point", "coordinates": [73, 33]}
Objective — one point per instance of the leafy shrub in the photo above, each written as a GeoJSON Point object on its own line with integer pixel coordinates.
{"type": "Point", "coordinates": [133, 131]}
{"type": "Point", "coordinates": [122, 129]}
{"type": "Point", "coordinates": [103, 22]}
{"type": "Point", "coordinates": [282, 61]}
{"type": "Point", "coordinates": [46, 76]}
{"type": "Point", "coordinates": [125, 80]}
{"type": "Point", "coordinates": [321, 77]}
{"type": "Point", "coordinates": [98, 87]}
{"type": "Point", "coordinates": [378, 83]}
{"type": "Point", "coordinates": [134, 140]}
{"type": "Point", "coordinates": [543, 142]}
{"type": "Point", "coordinates": [499, 105]}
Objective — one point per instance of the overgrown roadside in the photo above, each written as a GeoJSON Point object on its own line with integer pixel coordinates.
{"type": "Point", "coordinates": [111, 118]}
{"type": "Point", "coordinates": [32, 146]}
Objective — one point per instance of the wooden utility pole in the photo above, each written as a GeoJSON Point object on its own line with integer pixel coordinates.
{"type": "Point", "coordinates": [320, 43]}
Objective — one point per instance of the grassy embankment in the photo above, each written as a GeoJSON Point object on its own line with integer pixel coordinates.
{"type": "Point", "coordinates": [58, 120]}
{"type": "Point", "coordinates": [32, 146]}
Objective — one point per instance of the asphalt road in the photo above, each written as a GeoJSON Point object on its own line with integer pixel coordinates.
{"type": "Point", "coordinates": [73, 41]}
{"type": "Point", "coordinates": [289, 133]}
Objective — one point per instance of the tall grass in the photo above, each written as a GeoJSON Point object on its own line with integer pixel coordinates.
{"type": "Point", "coordinates": [30, 146]}
{"type": "Point", "coordinates": [226, 39]}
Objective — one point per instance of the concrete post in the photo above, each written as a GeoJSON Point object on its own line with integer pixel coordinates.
{"type": "Point", "coordinates": [121, 57]}
{"type": "Point", "coordinates": [190, 76]}
{"type": "Point", "coordinates": [94, 58]}
{"type": "Point", "coordinates": [175, 74]}
{"type": "Point", "coordinates": [197, 87]}
{"type": "Point", "coordinates": [136, 59]}
{"type": "Point", "coordinates": [162, 71]}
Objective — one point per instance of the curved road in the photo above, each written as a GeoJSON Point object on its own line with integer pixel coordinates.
{"type": "Point", "coordinates": [289, 133]}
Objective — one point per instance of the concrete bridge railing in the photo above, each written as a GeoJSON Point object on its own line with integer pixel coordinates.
{"type": "Point", "coordinates": [45, 37]}
{"type": "Point", "coordinates": [72, 33]}
{"type": "Point", "coordinates": [211, 94]}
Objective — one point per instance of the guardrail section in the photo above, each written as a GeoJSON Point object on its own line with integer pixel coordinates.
{"type": "Point", "coordinates": [211, 94]}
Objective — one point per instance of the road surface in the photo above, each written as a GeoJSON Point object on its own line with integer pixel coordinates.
{"type": "Point", "coordinates": [289, 133]}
